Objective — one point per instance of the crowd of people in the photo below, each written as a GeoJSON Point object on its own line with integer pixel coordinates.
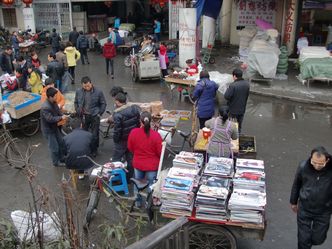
{"type": "Point", "coordinates": [134, 140]}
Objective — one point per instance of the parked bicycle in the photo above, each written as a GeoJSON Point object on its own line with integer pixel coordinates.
{"type": "Point", "coordinates": [101, 185]}
{"type": "Point", "coordinates": [74, 121]}
{"type": "Point", "coordinates": [16, 153]}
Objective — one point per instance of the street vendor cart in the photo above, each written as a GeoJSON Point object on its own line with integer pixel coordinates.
{"type": "Point", "coordinates": [27, 47]}
{"type": "Point", "coordinates": [23, 110]}
{"type": "Point", "coordinates": [144, 65]}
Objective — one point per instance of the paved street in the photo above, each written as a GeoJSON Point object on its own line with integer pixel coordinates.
{"type": "Point", "coordinates": [285, 133]}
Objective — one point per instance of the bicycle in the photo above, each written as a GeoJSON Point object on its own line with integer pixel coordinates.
{"type": "Point", "coordinates": [100, 185]}
{"type": "Point", "coordinates": [15, 152]}
{"type": "Point", "coordinates": [74, 121]}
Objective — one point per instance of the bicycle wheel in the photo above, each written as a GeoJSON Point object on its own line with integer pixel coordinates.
{"type": "Point", "coordinates": [91, 206]}
{"type": "Point", "coordinates": [30, 127]}
{"type": "Point", "coordinates": [16, 153]}
{"type": "Point", "coordinates": [127, 61]}
{"type": "Point", "coordinates": [210, 236]}
{"type": "Point", "coordinates": [149, 206]}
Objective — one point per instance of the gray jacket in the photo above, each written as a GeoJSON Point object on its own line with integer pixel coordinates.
{"type": "Point", "coordinates": [97, 103]}
{"type": "Point", "coordinates": [50, 115]}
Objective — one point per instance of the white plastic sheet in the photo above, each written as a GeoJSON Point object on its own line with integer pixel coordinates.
{"type": "Point", "coordinates": [26, 225]}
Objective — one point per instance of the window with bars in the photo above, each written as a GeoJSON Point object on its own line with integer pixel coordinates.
{"type": "Point", "coordinates": [9, 18]}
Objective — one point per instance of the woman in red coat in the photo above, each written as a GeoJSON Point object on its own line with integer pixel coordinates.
{"type": "Point", "coordinates": [109, 52]}
{"type": "Point", "coordinates": [145, 144]}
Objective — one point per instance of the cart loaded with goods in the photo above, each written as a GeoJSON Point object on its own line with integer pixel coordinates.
{"type": "Point", "coordinates": [20, 111]}
{"type": "Point", "coordinates": [223, 198]}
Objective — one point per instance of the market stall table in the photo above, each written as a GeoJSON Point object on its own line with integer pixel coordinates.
{"type": "Point", "coordinates": [27, 47]}
{"type": "Point", "coordinates": [180, 84]}
{"type": "Point", "coordinates": [201, 144]}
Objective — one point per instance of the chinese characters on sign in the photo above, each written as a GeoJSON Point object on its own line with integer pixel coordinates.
{"type": "Point", "coordinates": [174, 18]}
{"type": "Point", "coordinates": [187, 35]}
{"type": "Point", "coordinates": [289, 22]}
{"type": "Point", "coordinates": [250, 10]}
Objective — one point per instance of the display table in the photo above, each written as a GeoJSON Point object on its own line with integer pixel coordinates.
{"type": "Point", "coordinates": [201, 144]}
{"type": "Point", "coordinates": [26, 47]}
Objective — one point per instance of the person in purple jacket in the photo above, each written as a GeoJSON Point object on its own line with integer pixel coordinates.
{"type": "Point", "coordinates": [204, 95]}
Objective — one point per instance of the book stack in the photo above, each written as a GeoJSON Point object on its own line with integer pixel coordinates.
{"type": "Point", "coordinates": [211, 200]}
{"type": "Point", "coordinates": [248, 199]}
{"type": "Point", "coordinates": [219, 166]}
{"type": "Point", "coordinates": [180, 184]}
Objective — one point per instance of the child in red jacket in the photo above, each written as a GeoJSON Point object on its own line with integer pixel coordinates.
{"type": "Point", "coordinates": [109, 52]}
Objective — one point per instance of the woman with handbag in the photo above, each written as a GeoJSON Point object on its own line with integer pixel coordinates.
{"type": "Point", "coordinates": [204, 96]}
{"type": "Point", "coordinates": [73, 55]}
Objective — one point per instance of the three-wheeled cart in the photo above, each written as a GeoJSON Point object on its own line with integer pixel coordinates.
{"type": "Point", "coordinates": [25, 116]}
{"type": "Point", "coordinates": [145, 67]}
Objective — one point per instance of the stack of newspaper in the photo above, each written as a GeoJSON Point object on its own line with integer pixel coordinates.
{"type": "Point", "coordinates": [248, 199]}
{"type": "Point", "coordinates": [182, 179]}
{"type": "Point", "coordinates": [219, 166]}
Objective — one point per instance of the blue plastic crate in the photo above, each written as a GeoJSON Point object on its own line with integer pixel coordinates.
{"type": "Point", "coordinates": [36, 98]}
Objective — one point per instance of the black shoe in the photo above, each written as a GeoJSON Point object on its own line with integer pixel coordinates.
{"type": "Point", "coordinates": [112, 76]}
{"type": "Point", "coordinates": [94, 154]}
{"type": "Point", "coordinates": [89, 63]}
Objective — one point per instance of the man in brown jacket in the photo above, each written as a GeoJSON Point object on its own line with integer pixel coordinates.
{"type": "Point", "coordinates": [61, 57]}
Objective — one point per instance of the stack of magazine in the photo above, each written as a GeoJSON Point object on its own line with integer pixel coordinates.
{"type": "Point", "coordinates": [180, 184]}
{"type": "Point", "coordinates": [219, 166]}
{"type": "Point", "coordinates": [248, 199]}
{"type": "Point", "coordinates": [211, 200]}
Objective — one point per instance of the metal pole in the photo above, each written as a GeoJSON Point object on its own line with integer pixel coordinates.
{"type": "Point", "coordinates": [71, 16]}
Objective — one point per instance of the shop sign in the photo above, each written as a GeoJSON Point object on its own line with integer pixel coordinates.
{"type": "Point", "coordinates": [187, 35]}
{"type": "Point", "coordinates": [289, 22]}
{"type": "Point", "coordinates": [250, 10]}
{"type": "Point", "coordinates": [174, 18]}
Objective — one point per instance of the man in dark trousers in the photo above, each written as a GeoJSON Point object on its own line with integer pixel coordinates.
{"type": "Point", "coordinates": [55, 41]}
{"type": "Point", "coordinates": [82, 46]}
{"type": "Point", "coordinates": [73, 35]}
{"type": "Point", "coordinates": [90, 104]}
{"type": "Point", "coordinates": [311, 198]}
{"type": "Point", "coordinates": [50, 115]}
{"type": "Point", "coordinates": [125, 117]}
{"type": "Point", "coordinates": [78, 143]}
{"type": "Point", "coordinates": [237, 95]}
{"type": "Point", "coordinates": [55, 69]}
{"type": "Point", "coordinates": [6, 60]}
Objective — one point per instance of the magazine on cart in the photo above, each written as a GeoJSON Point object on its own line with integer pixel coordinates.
{"type": "Point", "coordinates": [178, 184]}
{"type": "Point", "coordinates": [250, 163]}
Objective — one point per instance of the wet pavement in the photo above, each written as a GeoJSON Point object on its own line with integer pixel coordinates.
{"type": "Point", "coordinates": [285, 133]}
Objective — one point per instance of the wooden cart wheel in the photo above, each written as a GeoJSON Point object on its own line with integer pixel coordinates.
{"type": "Point", "coordinates": [134, 73]}
{"type": "Point", "coordinates": [210, 237]}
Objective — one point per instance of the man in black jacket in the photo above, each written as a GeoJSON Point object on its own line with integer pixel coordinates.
{"type": "Point", "coordinates": [311, 198]}
{"type": "Point", "coordinates": [73, 35]}
{"type": "Point", "coordinates": [55, 41]}
{"type": "Point", "coordinates": [55, 69]}
{"type": "Point", "coordinates": [50, 115]}
{"type": "Point", "coordinates": [237, 95]}
{"type": "Point", "coordinates": [78, 143]}
{"type": "Point", "coordinates": [90, 105]}
{"type": "Point", "coordinates": [82, 46]}
{"type": "Point", "coordinates": [6, 60]}
{"type": "Point", "coordinates": [125, 117]}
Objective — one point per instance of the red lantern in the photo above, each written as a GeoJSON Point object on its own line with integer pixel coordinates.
{"type": "Point", "coordinates": [27, 2]}
{"type": "Point", "coordinates": [8, 2]}
{"type": "Point", "coordinates": [108, 3]}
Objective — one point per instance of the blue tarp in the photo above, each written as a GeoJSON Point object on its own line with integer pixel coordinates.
{"type": "Point", "coordinates": [209, 8]}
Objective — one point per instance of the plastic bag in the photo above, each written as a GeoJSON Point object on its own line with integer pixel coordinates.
{"type": "Point", "coordinates": [26, 226]}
